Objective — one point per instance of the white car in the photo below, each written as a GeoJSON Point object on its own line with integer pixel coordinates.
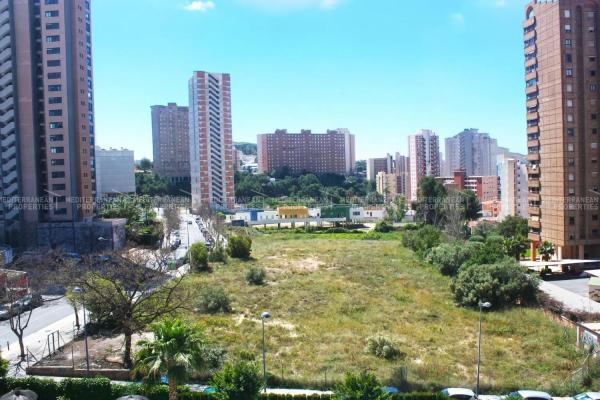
{"type": "Point", "coordinates": [588, 396]}
{"type": "Point", "coordinates": [459, 393]}
{"type": "Point", "coordinates": [530, 395]}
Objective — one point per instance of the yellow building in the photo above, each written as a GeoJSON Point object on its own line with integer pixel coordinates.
{"type": "Point", "coordinates": [292, 212]}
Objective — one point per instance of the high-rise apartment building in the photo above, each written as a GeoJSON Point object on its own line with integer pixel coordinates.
{"type": "Point", "coordinates": [211, 142]}
{"type": "Point", "coordinates": [171, 141]}
{"type": "Point", "coordinates": [512, 173]}
{"type": "Point", "coordinates": [424, 158]}
{"type": "Point", "coordinates": [331, 152]}
{"type": "Point", "coordinates": [115, 172]}
{"type": "Point", "coordinates": [391, 186]}
{"type": "Point", "coordinates": [562, 100]}
{"type": "Point", "coordinates": [46, 114]}
{"type": "Point", "coordinates": [484, 187]}
{"type": "Point", "coordinates": [472, 151]}
{"type": "Point", "coordinates": [377, 165]}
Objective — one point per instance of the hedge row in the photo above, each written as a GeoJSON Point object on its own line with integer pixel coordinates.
{"type": "Point", "coordinates": [102, 389]}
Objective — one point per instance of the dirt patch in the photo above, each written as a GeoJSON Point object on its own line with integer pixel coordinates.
{"type": "Point", "coordinates": [306, 265]}
{"type": "Point", "coordinates": [288, 326]}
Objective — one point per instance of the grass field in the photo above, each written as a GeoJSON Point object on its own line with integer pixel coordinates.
{"type": "Point", "coordinates": [329, 293]}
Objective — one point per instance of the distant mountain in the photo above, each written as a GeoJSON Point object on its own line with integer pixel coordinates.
{"type": "Point", "coordinates": [246, 148]}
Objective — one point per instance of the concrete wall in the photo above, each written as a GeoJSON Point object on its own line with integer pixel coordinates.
{"type": "Point", "coordinates": [82, 237]}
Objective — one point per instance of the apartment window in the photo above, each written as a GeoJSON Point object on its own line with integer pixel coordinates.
{"type": "Point", "coordinates": [567, 14]}
{"type": "Point", "coordinates": [58, 186]}
{"type": "Point", "coordinates": [594, 116]}
{"type": "Point", "coordinates": [593, 72]}
{"type": "Point", "coordinates": [52, 38]}
{"type": "Point", "coordinates": [56, 125]}
{"type": "Point", "coordinates": [591, 43]}
{"type": "Point", "coordinates": [53, 50]}
{"type": "Point", "coordinates": [56, 138]}
{"type": "Point", "coordinates": [570, 118]}
{"type": "Point", "coordinates": [570, 147]}
{"type": "Point", "coordinates": [569, 58]}
{"type": "Point", "coordinates": [55, 113]}
{"type": "Point", "coordinates": [590, 14]}
{"type": "Point", "coordinates": [592, 58]}
{"type": "Point", "coordinates": [571, 132]}
{"type": "Point", "coordinates": [568, 28]}
{"type": "Point", "coordinates": [569, 87]}
{"type": "Point", "coordinates": [571, 162]}
{"type": "Point", "coordinates": [594, 145]}
{"type": "Point", "coordinates": [57, 161]}
{"type": "Point", "coordinates": [58, 174]}
{"type": "Point", "coordinates": [53, 63]}
{"type": "Point", "coordinates": [571, 191]}
{"type": "Point", "coordinates": [570, 103]}
{"type": "Point", "coordinates": [49, 2]}
{"type": "Point", "coordinates": [55, 100]}
{"type": "Point", "coordinates": [591, 29]}
{"type": "Point", "coordinates": [571, 177]}
{"type": "Point", "coordinates": [54, 88]}
{"type": "Point", "coordinates": [57, 150]}
{"type": "Point", "coordinates": [571, 220]}
{"type": "Point", "coordinates": [568, 43]}
{"type": "Point", "coordinates": [569, 72]}
{"type": "Point", "coordinates": [594, 160]}
{"type": "Point", "coordinates": [54, 75]}
{"type": "Point", "coordinates": [594, 217]}
{"type": "Point", "coordinates": [60, 211]}
{"type": "Point", "coordinates": [59, 199]}
{"type": "Point", "coordinates": [593, 87]}
{"type": "Point", "coordinates": [52, 25]}
{"type": "Point", "coordinates": [52, 13]}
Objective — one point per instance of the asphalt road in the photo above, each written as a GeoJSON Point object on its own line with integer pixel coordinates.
{"type": "Point", "coordinates": [195, 235]}
{"type": "Point", "coordinates": [41, 317]}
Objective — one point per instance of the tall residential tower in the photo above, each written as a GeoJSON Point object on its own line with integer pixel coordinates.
{"type": "Point", "coordinates": [211, 143]}
{"type": "Point", "coordinates": [46, 114]}
{"type": "Point", "coordinates": [170, 142]}
{"type": "Point", "coordinates": [424, 158]}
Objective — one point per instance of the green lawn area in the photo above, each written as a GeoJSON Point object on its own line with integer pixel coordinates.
{"type": "Point", "coordinates": [327, 295]}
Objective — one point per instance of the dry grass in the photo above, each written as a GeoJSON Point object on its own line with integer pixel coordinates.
{"type": "Point", "coordinates": [327, 296]}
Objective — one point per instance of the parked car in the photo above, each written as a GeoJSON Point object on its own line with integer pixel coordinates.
{"type": "Point", "coordinates": [28, 302]}
{"type": "Point", "coordinates": [459, 393]}
{"type": "Point", "coordinates": [587, 396]}
{"type": "Point", "coordinates": [5, 312]}
{"type": "Point", "coordinates": [530, 395]}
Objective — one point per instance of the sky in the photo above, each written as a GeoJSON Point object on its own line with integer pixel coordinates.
{"type": "Point", "coordinates": [381, 68]}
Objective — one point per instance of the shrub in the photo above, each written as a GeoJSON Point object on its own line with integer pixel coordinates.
{"type": "Point", "coordinates": [485, 229]}
{"type": "Point", "coordinates": [383, 347]}
{"type": "Point", "coordinates": [89, 389]}
{"type": "Point", "coordinates": [491, 252]}
{"type": "Point", "coordinates": [448, 258]}
{"type": "Point", "coordinates": [239, 381]}
{"type": "Point", "coordinates": [4, 365]}
{"type": "Point", "coordinates": [363, 386]}
{"type": "Point", "coordinates": [372, 235]}
{"type": "Point", "coordinates": [256, 276]}
{"type": "Point", "coordinates": [198, 257]}
{"type": "Point", "coordinates": [213, 300]}
{"type": "Point", "coordinates": [218, 253]}
{"type": "Point", "coordinates": [477, 239]}
{"type": "Point", "coordinates": [502, 284]}
{"type": "Point", "coordinates": [240, 247]}
{"type": "Point", "coordinates": [422, 240]}
{"type": "Point", "coordinates": [383, 227]}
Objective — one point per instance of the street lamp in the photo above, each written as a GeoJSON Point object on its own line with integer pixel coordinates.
{"type": "Point", "coordinates": [264, 316]}
{"type": "Point", "coordinates": [78, 290]}
{"type": "Point", "coordinates": [482, 305]}
{"type": "Point", "coordinates": [188, 233]}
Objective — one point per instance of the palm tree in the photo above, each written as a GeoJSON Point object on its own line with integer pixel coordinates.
{"type": "Point", "coordinates": [546, 250]}
{"type": "Point", "coordinates": [516, 246]}
{"type": "Point", "coordinates": [175, 351]}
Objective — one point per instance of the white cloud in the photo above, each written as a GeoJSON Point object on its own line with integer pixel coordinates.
{"type": "Point", "coordinates": [200, 5]}
{"type": "Point", "coordinates": [457, 18]}
{"type": "Point", "coordinates": [290, 5]}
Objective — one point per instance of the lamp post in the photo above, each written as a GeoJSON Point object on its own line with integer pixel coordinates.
{"type": "Point", "coordinates": [188, 233]}
{"type": "Point", "coordinates": [482, 305]}
{"type": "Point", "coordinates": [78, 290]}
{"type": "Point", "coordinates": [264, 316]}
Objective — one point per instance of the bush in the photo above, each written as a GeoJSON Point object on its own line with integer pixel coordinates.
{"type": "Point", "coordinates": [256, 276]}
{"type": "Point", "coordinates": [503, 284]}
{"type": "Point", "coordinates": [239, 381]}
{"type": "Point", "coordinates": [371, 235]}
{"type": "Point", "coordinates": [477, 239]}
{"type": "Point", "coordinates": [364, 386]}
{"type": "Point", "coordinates": [89, 389]}
{"type": "Point", "coordinates": [485, 229]}
{"type": "Point", "coordinates": [492, 251]}
{"type": "Point", "coordinates": [46, 389]}
{"type": "Point", "coordinates": [384, 227]}
{"type": "Point", "coordinates": [240, 247]}
{"type": "Point", "coordinates": [4, 366]}
{"type": "Point", "coordinates": [383, 347]}
{"type": "Point", "coordinates": [218, 253]}
{"type": "Point", "coordinates": [448, 258]}
{"type": "Point", "coordinates": [198, 257]}
{"type": "Point", "coordinates": [422, 240]}
{"type": "Point", "coordinates": [213, 300]}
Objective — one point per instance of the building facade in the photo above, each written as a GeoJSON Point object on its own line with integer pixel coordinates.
{"type": "Point", "coordinates": [391, 186]}
{"type": "Point", "coordinates": [484, 187]}
{"type": "Point", "coordinates": [331, 152]}
{"type": "Point", "coordinates": [562, 108]}
{"type": "Point", "coordinates": [115, 172]}
{"type": "Point", "coordinates": [47, 114]}
{"type": "Point", "coordinates": [424, 158]}
{"type": "Point", "coordinates": [472, 151]}
{"type": "Point", "coordinates": [512, 174]}
{"type": "Point", "coordinates": [170, 142]}
{"type": "Point", "coordinates": [377, 165]}
{"type": "Point", "coordinates": [211, 142]}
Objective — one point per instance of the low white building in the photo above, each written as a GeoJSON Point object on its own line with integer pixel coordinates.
{"type": "Point", "coordinates": [115, 171]}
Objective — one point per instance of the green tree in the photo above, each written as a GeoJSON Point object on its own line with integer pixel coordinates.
{"type": "Point", "coordinates": [484, 229]}
{"type": "Point", "coordinates": [363, 386]}
{"type": "Point", "coordinates": [239, 247]}
{"type": "Point", "coordinates": [214, 300]}
{"type": "Point", "coordinates": [470, 204]}
{"type": "Point", "coordinates": [515, 246]}
{"type": "Point", "coordinates": [176, 351]}
{"type": "Point", "coordinates": [449, 257]}
{"type": "Point", "coordinates": [546, 250]}
{"type": "Point", "coordinates": [431, 195]}
{"type": "Point", "coordinates": [422, 240]}
{"type": "Point", "coordinates": [503, 284]}
{"type": "Point", "coordinates": [239, 381]}
{"type": "Point", "coordinates": [492, 251]}
{"type": "Point", "coordinates": [513, 226]}
{"type": "Point", "coordinates": [145, 165]}
{"type": "Point", "coordinates": [198, 257]}
{"type": "Point", "coordinates": [396, 210]}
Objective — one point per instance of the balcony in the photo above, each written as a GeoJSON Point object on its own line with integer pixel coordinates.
{"type": "Point", "coordinates": [528, 23]}
{"type": "Point", "coordinates": [532, 103]}
{"type": "Point", "coordinates": [534, 237]}
{"type": "Point", "coordinates": [533, 157]}
{"type": "Point", "coordinates": [533, 183]}
{"type": "Point", "coordinates": [530, 62]}
{"type": "Point", "coordinates": [531, 75]}
{"type": "Point", "coordinates": [533, 170]}
{"type": "Point", "coordinates": [531, 89]}
{"type": "Point", "coordinates": [533, 143]}
{"type": "Point", "coordinates": [533, 116]}
{"type": "Point", "coordinates": [533, 129]}
{"type": "Point", "coordinates": [534, 224]}
{"type": "Point", "coordinates": [529, 35]}
{"type": "Point", "coordinates": [534, 197]}
{"type": "Point", "coordinates": [534, 211]}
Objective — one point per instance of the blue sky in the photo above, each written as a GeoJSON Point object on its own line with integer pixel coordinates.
{"type": "Point", "coordinates": [382, 68]}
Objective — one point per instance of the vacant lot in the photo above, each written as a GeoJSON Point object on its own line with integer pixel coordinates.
{"type": "Point", "coordinates": [328, 295]}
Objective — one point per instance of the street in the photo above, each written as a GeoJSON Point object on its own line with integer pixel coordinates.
{"type": "Point", "coordinates": [195, 235]}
